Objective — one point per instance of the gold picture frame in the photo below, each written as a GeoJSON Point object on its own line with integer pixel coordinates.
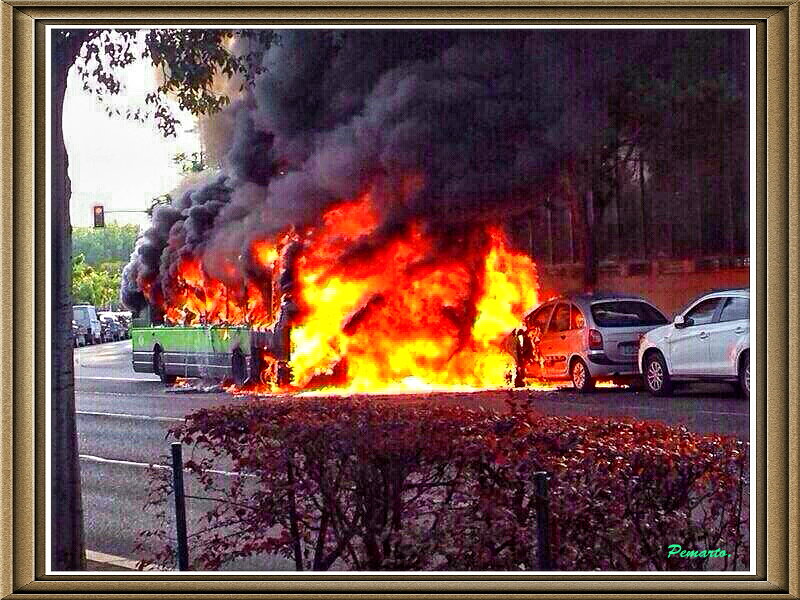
{"type": "Point", "coordinates": [22, 286]}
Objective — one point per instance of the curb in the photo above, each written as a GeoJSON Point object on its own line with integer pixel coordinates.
{"type": "Point", "coordinates": [109, 560]}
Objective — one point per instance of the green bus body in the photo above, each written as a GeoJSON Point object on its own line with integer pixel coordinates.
{"type": "Point", "coordinates": [240, 353]}
{"type": "Point", "coordinates": [191, 351]}
{"type": "Point", "coordinates": [234, 352]}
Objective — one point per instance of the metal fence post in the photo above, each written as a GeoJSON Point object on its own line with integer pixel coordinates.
{"type": "Point", "coordinates": [540, 479]}
{"type": "Point", "coordinates": [180, 507]}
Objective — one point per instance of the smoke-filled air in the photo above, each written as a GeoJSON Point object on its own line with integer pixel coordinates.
{"type": "Point", "coordinates": [366, 180]}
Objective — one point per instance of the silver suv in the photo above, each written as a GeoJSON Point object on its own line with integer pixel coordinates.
{"type": "Point", "coordinates": [707, 341]}
{"type": "Point", "coordinates": [583, 337]}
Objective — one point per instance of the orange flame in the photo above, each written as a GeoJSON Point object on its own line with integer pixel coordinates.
{"type": "Point", "coordinates": [395, 321]}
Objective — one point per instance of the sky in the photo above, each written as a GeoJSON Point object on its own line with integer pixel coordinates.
{"type": "Point", "coordinates": [120, 164]}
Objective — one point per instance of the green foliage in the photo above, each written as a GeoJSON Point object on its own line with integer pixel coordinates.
{"type": "Point", "coordinates": [190, 163]}
{"type": "Point", "coordinates": [112, 243]}
{"type": "Point", "coordinates": [190, 61]}
{"type": "Point", "coordinates": [96, 285]}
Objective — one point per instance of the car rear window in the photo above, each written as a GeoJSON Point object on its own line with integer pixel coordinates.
{"type": "Point", "coordinates": [626, 313]}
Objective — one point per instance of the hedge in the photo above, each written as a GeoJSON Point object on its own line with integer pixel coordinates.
{"type": "Point", "coordinates": [376, 485]}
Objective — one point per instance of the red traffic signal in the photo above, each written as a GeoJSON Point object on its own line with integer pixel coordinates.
{"type": "Point", "coordinates": [99, 216]}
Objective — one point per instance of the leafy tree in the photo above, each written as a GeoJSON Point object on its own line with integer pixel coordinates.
{"type": "Point", "coordinates": [103, 244]}
{"type": "Point", "coordinates": [95, 285]}
{"type": "Point", "coordinates": [668, 112]}
{"type": "Point", "coordinates": [190, 62]}
{"type": "Point", "coordinates": [191, 163]}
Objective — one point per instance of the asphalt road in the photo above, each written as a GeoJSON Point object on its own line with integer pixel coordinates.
{"type": "Point", "coordinates": [123, 418]}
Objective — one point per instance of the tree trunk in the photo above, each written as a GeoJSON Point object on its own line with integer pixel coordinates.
{"type": "Point", "coordinates": [590, 266]}
{"type": "Point", "coordinates": [645, 212]}
{"type": "Point", "coordinates": [67, 549]}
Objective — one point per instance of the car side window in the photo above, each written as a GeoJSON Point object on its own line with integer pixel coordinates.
{"type": "Point", "coordinates": [540, 317]}
{"type": "Point", "coordinates": [578, 321]}
{"type": "Point", "coordinates": [736, 308]}
{"type": "Point", "coordinates": [560, 320]}
{"type": "Point", "coordinates": [703, 313]}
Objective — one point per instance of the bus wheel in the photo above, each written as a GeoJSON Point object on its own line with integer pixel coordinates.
{"type": "Point", "coordinates": [283, 374]}
{"type": "Point", "coordinates": [239, 368]}
{"type": "Point", "coordinates": [160, 368]}
{"type": "Point", "coordinates": [256, 367]}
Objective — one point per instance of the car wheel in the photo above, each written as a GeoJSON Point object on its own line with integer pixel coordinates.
{"type": "Point", "coordinates": [581, 378]}
{"type": "Point", "coordinates": [160, 368]}
{"type": "Point", "coordinates": [656, 375]}
{"type": "Point", "coordinates": [744, 375]}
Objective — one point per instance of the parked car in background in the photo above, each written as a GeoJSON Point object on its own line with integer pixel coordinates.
{"type": "Point", "coordinates": [584, 337]}
{"type": "Point", "coordinates": [111, 328]}
{"type": "Point", "coordinates": [707, 341]}
{"type": "Point", "coordinates": [114, 330]}
{"type": "Point", "coordinates": [78, 336]}
{"type": "Point", "coordinates": [85, 316]}
{"type": "Point", "coordinates": [124, 318]}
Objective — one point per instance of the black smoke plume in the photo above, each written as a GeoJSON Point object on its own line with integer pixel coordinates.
{"type": "Point", "coordinates": [448, 128]}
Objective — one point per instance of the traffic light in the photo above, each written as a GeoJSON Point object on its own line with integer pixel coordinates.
{"type": "Point", "coordinates": [99, 216]}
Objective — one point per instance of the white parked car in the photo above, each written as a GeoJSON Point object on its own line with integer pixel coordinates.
{"type": "Point", "coordinates": [707, 341]}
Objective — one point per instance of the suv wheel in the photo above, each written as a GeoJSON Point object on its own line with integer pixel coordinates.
{"type": "Point", "coordinates": [581, 378]}
{"type": "Point", "coordinates": [744, 375]}
{"type": "Point", "coordinates": [656, 376]}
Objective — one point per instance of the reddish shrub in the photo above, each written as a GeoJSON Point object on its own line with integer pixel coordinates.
{"type": "Point", "coordinates": [366, 485]}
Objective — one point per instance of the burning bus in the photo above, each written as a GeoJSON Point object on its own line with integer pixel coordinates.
{"type": "Point", "coordinates": [242, 354]}
{"type": "Point", "coordinates": [335, 306]}
{"type": "Point", "coordinates": [211, 333]}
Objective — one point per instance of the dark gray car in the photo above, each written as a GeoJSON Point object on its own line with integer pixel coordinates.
{"type": "Point", "coordinates": [584, 337]}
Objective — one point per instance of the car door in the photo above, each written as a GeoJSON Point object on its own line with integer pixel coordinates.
{"type": "Point", "coordinates": [732, 324]}
{"type": "Point", "coordinates": [535, 328]}
{"type": "Point", "coordinates": [574, 339]}
{"type": "Point", "coordinates": [554, 342]}
{"type": "Point", "coordinates": [689, 351]}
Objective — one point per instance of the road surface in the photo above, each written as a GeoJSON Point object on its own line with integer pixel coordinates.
{"type": "Point", "coordinates": [123, 418]}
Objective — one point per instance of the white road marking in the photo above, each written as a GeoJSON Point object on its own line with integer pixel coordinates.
{"type": "Point", "coordinates": [727, 414]}
{"type": "Point", "coordinates": [130, 463]}
{"type": "Point", "coordinates": [116, 561]}
{"type": "Point", "coordinates": [126, 416]}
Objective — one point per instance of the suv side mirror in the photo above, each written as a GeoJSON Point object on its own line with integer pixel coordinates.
{"type": "Point", "coordinates": [679, 322]}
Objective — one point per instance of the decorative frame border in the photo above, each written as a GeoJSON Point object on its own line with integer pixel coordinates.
{"type": "Point", "coordinates": [22, 272]}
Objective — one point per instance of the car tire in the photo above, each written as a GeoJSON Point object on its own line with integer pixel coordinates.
{"type": "Point", "coordinates": [580, 376]}
{"type": "Point", "coordinates": [160, 369]}
{"type": "Point", "coordinates": [656, 375]}
{"type": "Point", "coordinates": [744, 375]}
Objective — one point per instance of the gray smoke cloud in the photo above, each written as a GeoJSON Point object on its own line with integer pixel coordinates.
{"type": "Point", "coordinates": [474, 119]}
